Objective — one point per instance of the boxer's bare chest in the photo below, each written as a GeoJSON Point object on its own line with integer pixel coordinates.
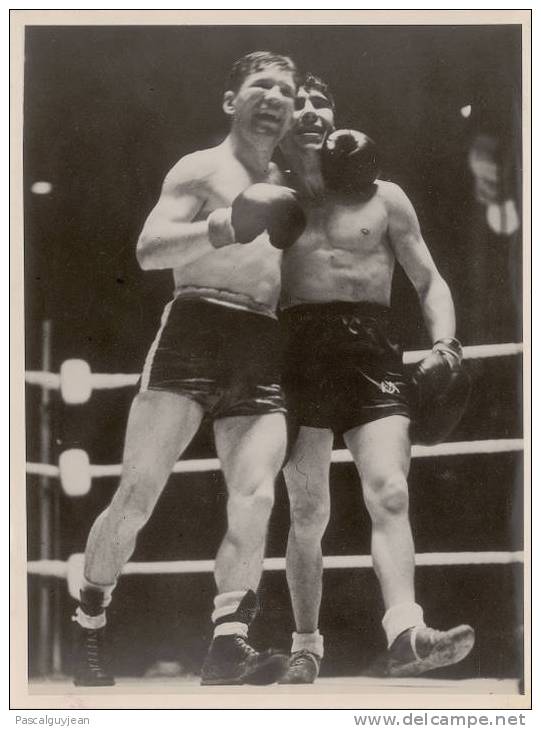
{"type": "Point", "coordinates": [228, 179]}
{"type": "Point", "coordinates": [343, 254]}
{"type": "Point", "coordinates": [345, 231]}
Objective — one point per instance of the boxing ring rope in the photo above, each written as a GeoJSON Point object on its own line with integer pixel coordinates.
{"type": "Point", "coordinates": [72, 570]}
{"type": "Point", "coordinates": [59, 568]}
{"type": "Point", "coordinates": [478, 351]}
{"type": "Point", "coordinates": [201, 465]}
{"type": "Point", "coordinates": [100, 381]}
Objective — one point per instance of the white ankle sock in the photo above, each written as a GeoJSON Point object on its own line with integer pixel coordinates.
{"type": "Point", "coordinates": [227, 603]}
{"type": "Point", "coordinates": [312, 642]}
{"type": "Point", "coordinates": [401, 617]}
{"type": "Point", "coordinates": [231, 629]}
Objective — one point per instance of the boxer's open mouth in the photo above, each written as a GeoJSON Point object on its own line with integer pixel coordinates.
{"type": "Point", "coordinates": [268, 116]}
{"type": "Point", "coordinates": [311, 132]}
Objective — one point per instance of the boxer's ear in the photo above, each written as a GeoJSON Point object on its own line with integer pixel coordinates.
{"type": "Point", "coordinates": [228, 104]}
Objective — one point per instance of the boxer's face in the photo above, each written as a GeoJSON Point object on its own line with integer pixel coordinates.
{"type": "Point", "coordinates": [264, 103]}
{"type": "Point", "coordinates": [313, 119]}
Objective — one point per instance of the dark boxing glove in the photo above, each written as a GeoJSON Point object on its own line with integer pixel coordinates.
{"type": "Point", "coordinates": [349, 162]}
{"type": "Point", "coordinates": [258, 208]}
{"type": "Point", "coordinates": [441, 388]}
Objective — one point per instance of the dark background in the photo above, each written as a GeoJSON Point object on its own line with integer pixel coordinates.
{"type": "Point", "coordinates": [107, 111]}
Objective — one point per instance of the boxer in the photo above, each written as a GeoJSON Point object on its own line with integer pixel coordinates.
{"type": "Point", "coordinates": [216, 225]}
{"type": "Point", "coordinates": [344, 375]}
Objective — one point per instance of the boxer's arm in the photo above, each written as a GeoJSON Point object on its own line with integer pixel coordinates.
{"type": "Point", "coordinates": [170, 236]}
{"type": "Point", "coordinates": [413, 255]}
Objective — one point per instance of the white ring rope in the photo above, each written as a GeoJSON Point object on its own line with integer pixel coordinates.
{"type": "Point", "coordinates": [58, 568]}
{"type": "Point", "coordinates": [100, 381]}
{"type": "Point", "coordinates": [479, 351]}
{"type": "Point", "coordinates": [471, 447]}
{"type": "Point", "coordinates": [73, 569]}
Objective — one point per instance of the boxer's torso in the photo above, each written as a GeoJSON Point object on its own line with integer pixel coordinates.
{"type": "Point", "coordinates": [247, 275]}
{"type": "Point", "coordinates": [343, 255]}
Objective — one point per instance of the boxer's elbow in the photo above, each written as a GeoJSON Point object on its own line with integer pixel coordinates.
{"type": "Point", "coordinates": [142, 253]}
{"type": "Point", "coordinates": [146, 250]}
{"type": "Point", "coordinates": [431, 285]}
{"type": "Point", "coordinates": [441, 289]}
{"type": "Point", "coordinates": [436, 296]}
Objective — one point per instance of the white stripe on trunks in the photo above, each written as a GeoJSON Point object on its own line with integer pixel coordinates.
{"type": "Point", "coordinates": [145, 377]}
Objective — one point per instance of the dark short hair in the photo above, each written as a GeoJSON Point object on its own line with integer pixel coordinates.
{"type": "Point", "coordinates": [311, 81]}
{"type": "Point", "coordinates": [254, 62]}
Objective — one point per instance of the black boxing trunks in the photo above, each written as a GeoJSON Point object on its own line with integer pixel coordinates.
{"type": "Point", "coordinates": [226, 359]}
{"type": "Point", "coordinates": [343, 367]}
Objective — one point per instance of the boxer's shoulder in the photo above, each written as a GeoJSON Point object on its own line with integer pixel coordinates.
{"type": "Point", "coordinates": [193, 171]}
{"type": "Point", "coordinates": [398, 207]}
{"type": "Point", "coordinates": [391, 193]}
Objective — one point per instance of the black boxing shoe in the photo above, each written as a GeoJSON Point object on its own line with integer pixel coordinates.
{"type": "Point", "coordinates": [90, 657]}
{"type": "Point", "coordinates": [231, 661]}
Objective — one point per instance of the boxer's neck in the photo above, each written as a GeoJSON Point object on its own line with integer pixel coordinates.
{"type": "Point", "coordinates": [254, 153]}
{"type": "Point", "coordinates": [306, 169]}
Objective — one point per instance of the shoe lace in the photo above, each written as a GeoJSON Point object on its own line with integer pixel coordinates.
{"type": "Point", "coordinates": [244, 646]}
{"type": "Point", "coordinates": [94, 649]}
{"type": "Point", "coordinates": [299, 658]}
{"type": "Point", "coordinates": [423, 639]}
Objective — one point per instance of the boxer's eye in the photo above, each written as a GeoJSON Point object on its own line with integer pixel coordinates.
{"type": "Point", "coordinates": [263, 84]}
{"type": "Point", "coordinates": [321, 103]}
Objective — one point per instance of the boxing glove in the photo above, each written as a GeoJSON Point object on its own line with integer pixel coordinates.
{"type": "Point", "coordinates": [433, 373]}
{"type": "Point", "coordinates": [441, 389]}
{"type": "Point", "coordinates": [349, 162]}
{"type": "Point", "coordinates": [260, 207]}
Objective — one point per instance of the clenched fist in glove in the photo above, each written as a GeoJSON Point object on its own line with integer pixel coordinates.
{"type": "Point", "coordinates": [260, 207]}
{"type": "Point", "coordinates": [349, 162]}
{"type": "Point", "coordinates": [441, 389]}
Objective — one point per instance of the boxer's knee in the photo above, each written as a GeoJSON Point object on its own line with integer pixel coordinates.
{"type": "Point", "coordinates": [260, 495]}
{"type": "Point", "coordinates": [249, 509]}
{"type": "Point", "coordinates": [134, 502]}
{"type": "Point", "coordinates": [309, 501]}
{"type": "Point", "coordinates": [387, 497]}
{"type": "Point", "coordinates": [309, 519]}
{"type": "Point", "coordinates": [309, 509]}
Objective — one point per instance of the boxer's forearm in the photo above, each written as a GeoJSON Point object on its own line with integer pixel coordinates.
{"type": "Point", "coordinates": [173, 245]}
{"type": "Point", "coordinates": [438, 309]}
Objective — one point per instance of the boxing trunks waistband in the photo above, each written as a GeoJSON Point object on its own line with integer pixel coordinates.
{"type": "Point", "coordinates": [341, 327]}
{"type": "Point", "coordinates": [223, 297]}
{"type": "Point", "coordinates": [330, 309]}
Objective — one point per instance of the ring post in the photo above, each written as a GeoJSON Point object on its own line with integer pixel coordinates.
{"type": "Point", "coordinates": [49, 657]}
